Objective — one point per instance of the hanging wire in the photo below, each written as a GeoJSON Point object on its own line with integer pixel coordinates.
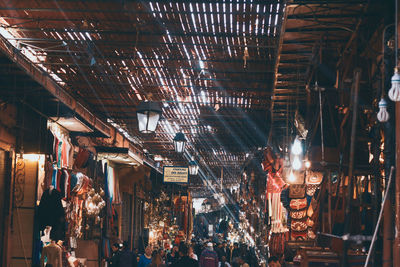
{"type": "Point", "coordinates": [396, 34]}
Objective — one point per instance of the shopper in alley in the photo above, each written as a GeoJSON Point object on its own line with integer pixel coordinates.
{"type": "Point", "coordinates": [209, 257]}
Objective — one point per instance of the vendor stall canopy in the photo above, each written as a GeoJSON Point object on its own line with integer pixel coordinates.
{"type": "Point", "coordinates": [226, 72]}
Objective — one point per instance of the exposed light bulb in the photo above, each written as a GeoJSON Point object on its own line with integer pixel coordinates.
{"type": "Point", "coordinates": [296, 164]}
{"type": "Point", "coordinates": [383, 115]}
{"type": "Point", "coordinates": [202, 65]}
{"type": "Point", "coordinates": [292, 177]}
{"type": "Point", "coordinates": [394, 92]}
{"type": "Point", "coordinates": [296, 148]}
{"type": "Point", "coordinates": [307, 164]}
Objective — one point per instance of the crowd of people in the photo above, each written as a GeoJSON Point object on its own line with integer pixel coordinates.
{"type": "Point", "coordinates": [196, 254]}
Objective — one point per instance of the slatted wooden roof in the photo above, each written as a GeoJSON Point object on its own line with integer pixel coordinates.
{"type": "Point", "coordinates": [211, 63]}
{"type": "Point", "coordinates": [220, 68]}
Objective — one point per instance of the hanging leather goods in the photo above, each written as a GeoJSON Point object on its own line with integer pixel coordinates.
{"type": "Point", "coordinates": [298, 204]}
{"type": "Point", "coordinates": [299, 214]}
{"type": "Point", "coordinates": [311, 188]}
{"type": "Point", "coordinates": [297, 190]}
{"type": "Point", "coordinates": [311, 234]}
{"type": "Point", "coordinates": [309, 222]}
{"type": "Point", "coordinates": [310, 211]}
{"type": "Point", "coordinates": [298, 236]}
{"type": "Point", "coordinates": [298, 225]}
{"type": "Point", "coordinates": [314, 178]}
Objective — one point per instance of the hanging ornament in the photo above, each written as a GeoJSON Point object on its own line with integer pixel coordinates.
{"type": "Point", "coordinates": [394, 92]}
{"type": "Point", "coordinates": [245, 57]}
{"type": "Point", "coordinates": [383, 115]}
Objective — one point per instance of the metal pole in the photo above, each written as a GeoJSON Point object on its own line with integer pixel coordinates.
{"type": "Point", "coordinates": [379, 218]}
{"type": "Point", "coordinates": [354, 106]}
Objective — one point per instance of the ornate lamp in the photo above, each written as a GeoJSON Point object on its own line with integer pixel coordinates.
{"type": "Point", "coordinates": [179, 142]}
{"type": "Point", "coordinates": [148, 115]}
{"type": "Point", "coordinates": [193, 167]}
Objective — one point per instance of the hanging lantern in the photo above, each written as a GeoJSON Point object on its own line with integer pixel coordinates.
{"type": "Point", "coordinates": [193, 167]}
{"type": "Point", "coordinates": [394, 92]}
{"type": "Point", "coordinates": [148, 115]}
{"type": "Point", "coordinates": [179, 142]}
{"type": "Point", "coordinates": [296, 164]}
{"type": "Point", "coordinates": [296, 148]}
{"type": "Point", "coordinates": [383, 115]}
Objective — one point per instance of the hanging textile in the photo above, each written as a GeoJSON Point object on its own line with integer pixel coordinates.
{"type": "Point", "coordinates": [276, 213]}
{"type": "Point", "coordinates": [51, 213]}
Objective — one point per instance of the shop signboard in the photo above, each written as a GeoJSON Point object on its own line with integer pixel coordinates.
{"type": "Point", "coordinates": [174, 174]}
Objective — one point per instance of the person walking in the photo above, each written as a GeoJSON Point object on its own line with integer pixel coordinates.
{"type": "Point", "coordinates": [113, 261]}
{"type": "Point", "coordinates": [126, 257]}
{"type": "Point", "coordinates": [223, 262]}
{"type": "Point", "coordinates": [146, 258]}
{"type": "Point", "coordinates": [209, 257]}
{"type": "Point", "coordinates": [185, 260]}
{"type": "Point", "coordinates": [156, 260]}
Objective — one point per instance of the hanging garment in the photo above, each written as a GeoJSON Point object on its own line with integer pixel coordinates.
{"type": "Point", "coordinates": [275, 183]}
{"type": "Point", "coordinates": [276, 213]}
{"type": "Point", "coordinates": [51, 213]}
{"type": "Point", "coordinates": [53, 253]}
{"type": "Point", "coordinates": [81, 158]}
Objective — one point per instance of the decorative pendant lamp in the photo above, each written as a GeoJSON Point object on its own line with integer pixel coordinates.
{"type": "Point", "coordinates": [296, 164]}
{"type": "Point", "coordinates": [394, 92]}
{"type": "Point", "coordinates": [193, 167]}
{"type": "Point", "coordinates": [179, 142]}
{"type": "Point", "coordinates": [383, 115]}
{"type": "Point", "coordinates": [296, 148]}
{"type": "Point", "coordinates": [148, 115]}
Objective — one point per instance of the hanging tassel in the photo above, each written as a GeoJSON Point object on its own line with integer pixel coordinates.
{"type": "Point", "coordinates": [394, 92]}
{"type": "Point", "coordinates": [383, 115]}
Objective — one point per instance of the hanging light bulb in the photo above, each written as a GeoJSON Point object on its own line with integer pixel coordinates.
{"type": "Point", "coordinates": [296, 164]}
{"type": "Point", "coordinates": [394, 92]}
{"type": "Point", "coordinates": [383, 115]}
{"type": "Point", "coordinates": [296, 148]}
{"type": "Point", "coordinates": [291, 178]}
{"type": "Point", "coordinates": [307, 164]}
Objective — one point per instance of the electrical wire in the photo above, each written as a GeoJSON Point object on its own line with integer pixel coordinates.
{"type": "Point", "coordinates": [396, 34]}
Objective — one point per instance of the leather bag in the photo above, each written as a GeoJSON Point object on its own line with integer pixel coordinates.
{"type": "Point", "coordinates": [298, 204]}
{"type": "Point", "coordinates": [298, 236]}
{"type": "Point", "coordinates": [298, 225]}
{"type": "Point", "coordinates": [311, 188]}
{"type": "Point", "coordinates": [309, 222]}
{"type": "Point", "coordinates": [311, 234]}
{"type": "Point", "coordinates": [298, 214]}
{"type": "Point", "coordinates": [297, 190]}
{"type": "Point", "coordinates": [314, 177]}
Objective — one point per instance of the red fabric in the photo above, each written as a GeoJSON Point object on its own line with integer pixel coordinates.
{"type": "Point", "coordinates": [58, 187]}
{"type": "Point", "coordinates": [275, 183]}
{"type": "Point", "coordinates": [64, 159]}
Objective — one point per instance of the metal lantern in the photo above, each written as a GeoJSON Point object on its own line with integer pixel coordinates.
{"type": "Point", "coordinates": [179, 142]}
{"type": "Point", "coordinates": [148, 115]}
{"type": "Point", "coordinates": [193, 167]}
